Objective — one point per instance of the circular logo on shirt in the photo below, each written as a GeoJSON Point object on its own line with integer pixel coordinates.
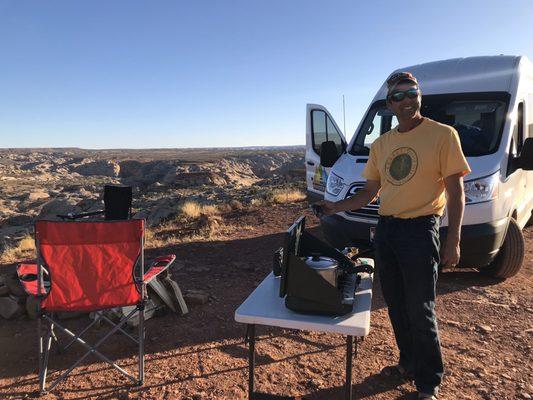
{"type": "Point", "coordinates": [401, 165]}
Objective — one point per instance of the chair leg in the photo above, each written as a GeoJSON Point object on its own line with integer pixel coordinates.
{"type": "Point", "coordinates": [45, 343]}
{"type": "Point", "coordinates": [41, 352]}
{"type": "Point", "coordinates": [47, 346]}
{"type": "Point", "coordinates": [56, 339]}
{"type": "Point", "coordinates": [93, 350]}
{"type": "Point", "coordinates": [141, 343]}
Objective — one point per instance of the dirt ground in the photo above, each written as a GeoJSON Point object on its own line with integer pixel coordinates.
{"type": "Point", "coordinates": [485, 326]}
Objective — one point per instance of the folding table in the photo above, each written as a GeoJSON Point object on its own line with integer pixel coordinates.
{"type": "Point", "coordinates": [265, 307]}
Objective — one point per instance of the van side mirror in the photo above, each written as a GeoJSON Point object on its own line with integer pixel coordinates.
{"type": "Point", "coordinates": [328, 154]}
{"type": "Point", "coordinates": [525, 161]}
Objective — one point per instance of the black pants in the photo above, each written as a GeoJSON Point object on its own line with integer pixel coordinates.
{"type": "Point", "coordinates": [407, 258]}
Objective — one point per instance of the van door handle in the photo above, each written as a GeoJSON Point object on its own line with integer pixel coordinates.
{"type": "Point", "coordinates": [311, 163]}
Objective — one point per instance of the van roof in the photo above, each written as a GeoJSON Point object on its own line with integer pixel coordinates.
{"type": "Point", "coordinates": [460, 75]}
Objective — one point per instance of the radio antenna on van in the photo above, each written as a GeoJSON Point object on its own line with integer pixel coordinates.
{"type": "Point", "coordinates": [344, 115]}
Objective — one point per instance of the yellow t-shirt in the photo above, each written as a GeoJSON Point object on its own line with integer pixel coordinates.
{"type": "Point", "coordinates": [411, 167]}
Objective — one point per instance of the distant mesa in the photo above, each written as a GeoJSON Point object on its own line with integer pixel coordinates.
{"type": "Point", "coordinates": [100, 167]}
{"type": "Point", "coordinates": [197, 179]}
{"type": "Point", "coordinates": [41, 183]}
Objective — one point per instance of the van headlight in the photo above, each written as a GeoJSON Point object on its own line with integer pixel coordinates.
{"type": "Point", "coordinates": [483, 189]}
{"type": "Point", "coordinates": [335, 184]}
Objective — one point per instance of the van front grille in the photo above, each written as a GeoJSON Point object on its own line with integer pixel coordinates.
{"type": "Point", "coordinates": [370, 210]}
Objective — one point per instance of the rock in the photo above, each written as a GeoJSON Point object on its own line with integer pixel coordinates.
{"type": "Point", "coordinates": [242, 265]}
{"type": "Point", "coordinates": [58, 206]}
{"type": "Point", "coordinates": [4, 289]}
{"type": "Point", "coordinates": [525, 396]}
{"type": "Point", "coordinates": [161, 212]}
{"type": "Point", "coordinates": [10, 308]}
{"type": "Point", "coordinates": [37, 195]}
{"type": "Point", "coordinates": [484, 328]}
{"type": "Point", "coordinates": [157, 187]}
{"type": "Point", "coordinates": [452, 323]}
{"type": "Point", "coordinates": [129, 168]}
{"type": "Point", "coordinates": [88, 204]}
{"type": "Point", "coordinates": [195, 179]}
{"type": "Point", "coordinates": [15, 287]}
{"type": "Point", "coordinates": [196, 297]}
{"type": "Point", "coordinates": [18, 220]}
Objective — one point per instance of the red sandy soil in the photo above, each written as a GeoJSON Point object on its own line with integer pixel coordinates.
{"type": "Point", "coordinates": [485, 328]}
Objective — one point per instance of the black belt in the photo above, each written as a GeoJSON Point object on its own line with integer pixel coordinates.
{"type": "Point", "coordinates": [390, 218]}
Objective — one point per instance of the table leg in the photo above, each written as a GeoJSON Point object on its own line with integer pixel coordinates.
{"type": "Point", "coordinates": [349, 356]}
{"type": "Point", "coordinates": [250, 335]}
{"type": "Point", "coordinates": [252, 394]}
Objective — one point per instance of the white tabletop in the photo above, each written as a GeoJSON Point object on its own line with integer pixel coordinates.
{"type": "Point", "coordinates": [265, 307]}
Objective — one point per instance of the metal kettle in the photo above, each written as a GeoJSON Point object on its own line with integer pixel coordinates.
{"type": "Point", "coordinates": [327, 267]}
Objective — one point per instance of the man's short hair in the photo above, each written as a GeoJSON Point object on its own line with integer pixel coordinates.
{"type": "Point", "coordinates": [400, 77]}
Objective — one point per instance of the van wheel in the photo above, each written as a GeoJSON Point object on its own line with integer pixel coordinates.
{"type": "Point", "coordinates": [511, 255]}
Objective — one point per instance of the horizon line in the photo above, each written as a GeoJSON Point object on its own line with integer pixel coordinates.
{"type": "Point", "coordinates": [152, 149]}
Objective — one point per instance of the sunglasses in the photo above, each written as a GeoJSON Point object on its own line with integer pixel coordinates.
{"type": "Point", "coordinates": [400, 95]}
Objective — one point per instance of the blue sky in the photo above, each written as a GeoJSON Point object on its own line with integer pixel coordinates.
{"type": "Point", "coordinates": [142, 74]}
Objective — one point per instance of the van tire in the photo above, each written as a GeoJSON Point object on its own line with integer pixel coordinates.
{"type": "Point", "coordinates": [511, 255]}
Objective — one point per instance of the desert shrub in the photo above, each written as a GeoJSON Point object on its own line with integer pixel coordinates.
{"type": "Point", "coordinates": [149, 235]}
{"type": "Point", "coordinates": [258, 202]}
{"type": "Point", "coordinates": [27, 244]}
{"type": "Point", "coordinates": [235, 205]}
{"type": "Point", "coordinates": [191, 209]}
{"type": "Point", "coordinates": [209, 209]}
{"type": "Point", "coordinates": [282, 196]}
{"type": "Point", "coordinates": [24, 249]}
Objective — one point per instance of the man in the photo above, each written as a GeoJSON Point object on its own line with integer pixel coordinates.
{"type": "Point", "coordinates": [413, 167]}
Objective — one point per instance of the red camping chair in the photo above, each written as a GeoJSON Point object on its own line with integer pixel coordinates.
{"type": "Point", "coordinates": [89, 266]}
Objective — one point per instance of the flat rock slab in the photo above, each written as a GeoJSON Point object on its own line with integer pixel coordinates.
{"type": "Point", "coordinates": [10, 308]}
{"type": "Point", "coordinates": [196, 297]}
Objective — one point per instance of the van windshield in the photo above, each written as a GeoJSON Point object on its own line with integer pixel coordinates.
{"type": "Point", "coordinates": [477, 117]}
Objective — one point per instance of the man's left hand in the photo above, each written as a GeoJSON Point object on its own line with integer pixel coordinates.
{"type": "Point", "coordinates": [450, 254]}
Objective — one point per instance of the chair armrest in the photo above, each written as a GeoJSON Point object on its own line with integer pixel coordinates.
{"type": "Point", "coordinates": [27, 274]}
{"type": "Point", "coordinates": [159, 265]}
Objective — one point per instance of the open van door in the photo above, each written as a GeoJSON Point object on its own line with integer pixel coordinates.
{"type": "Point", "coordinates": [322, 136]}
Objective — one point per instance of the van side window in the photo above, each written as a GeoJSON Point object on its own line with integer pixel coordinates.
{"type": "Point", "coordinates": [324, 130]}
{"type": "Point", "coordinates": [518, 133]}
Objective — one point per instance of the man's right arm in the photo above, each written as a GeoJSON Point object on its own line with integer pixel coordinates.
{"type": "Point", "coordinates": [360, 199]}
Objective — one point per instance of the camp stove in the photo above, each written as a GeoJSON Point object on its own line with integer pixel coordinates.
{"type": "Point", "coordinates": [315, 277]}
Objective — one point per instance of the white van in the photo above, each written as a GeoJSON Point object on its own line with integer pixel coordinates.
{"type": "Point", "coordinates": [489, 101]}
